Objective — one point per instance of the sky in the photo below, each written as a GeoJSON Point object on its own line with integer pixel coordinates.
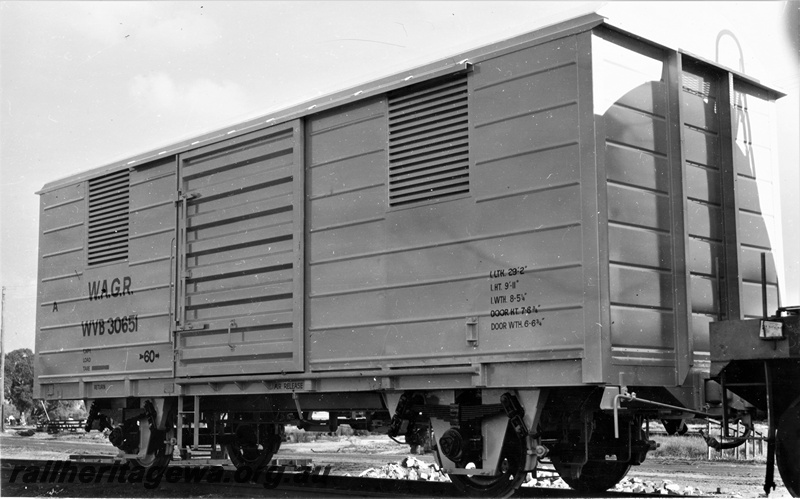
{"type": "Point", "coordinates": [84, 84]}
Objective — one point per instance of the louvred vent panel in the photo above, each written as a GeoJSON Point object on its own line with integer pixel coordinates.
{"type": "Point", "coordinates": [109, 198]}
{"type": "Point", "coordinates": [429, 142]}
{"type": "Point", "coordinates": [695, 85]}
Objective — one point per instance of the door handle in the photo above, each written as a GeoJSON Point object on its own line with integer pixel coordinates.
{"type": "Point", "coordinates": [231, 325]}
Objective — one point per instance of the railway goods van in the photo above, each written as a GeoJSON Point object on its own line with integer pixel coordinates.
{"type": "Point", "coordinates": [515, 252]}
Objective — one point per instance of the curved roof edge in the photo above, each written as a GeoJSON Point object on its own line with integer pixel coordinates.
{"type": "Point", "coordinates": [449, 65]}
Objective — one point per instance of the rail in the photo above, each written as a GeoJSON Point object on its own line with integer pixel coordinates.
{"type": "Point", "coordinates": [21, 477]}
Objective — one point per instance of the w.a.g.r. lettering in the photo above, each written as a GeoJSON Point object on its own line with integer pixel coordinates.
{"type": "Point", "coordinates": [120, 286]}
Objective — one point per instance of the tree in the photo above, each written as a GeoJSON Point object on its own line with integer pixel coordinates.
{"type": "Point", "coordinates": [65, 409]}
{"type": "Point", "coordinates": [18, 387]}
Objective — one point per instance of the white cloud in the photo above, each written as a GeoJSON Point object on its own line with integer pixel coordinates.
{"type": "Point", "coordinates": [156, 90]}
{"type": "Point", "coordinates": [201, 98]}
{"type": "Point", "coordinates": [224, 97]}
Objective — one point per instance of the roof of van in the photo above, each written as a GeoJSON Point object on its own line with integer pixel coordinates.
{"type": "Point", "coordinates": [450, 65]}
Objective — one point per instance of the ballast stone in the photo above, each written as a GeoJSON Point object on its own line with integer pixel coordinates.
{"type": "Point", "coordinates": [412, 468]}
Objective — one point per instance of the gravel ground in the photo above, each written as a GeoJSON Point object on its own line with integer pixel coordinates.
{"type": "Point", "coordinates": [355, 455]}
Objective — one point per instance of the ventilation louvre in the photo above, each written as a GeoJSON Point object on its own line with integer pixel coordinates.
{"type": "Point", "coordinates": [696, 85]}
{"type": "Point", "coordinates": [109, 197]}
{"type": "Point", "coordinates": [429, 142]}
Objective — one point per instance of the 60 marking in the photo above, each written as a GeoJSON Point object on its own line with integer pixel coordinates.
{"type": "Point", "coordinates": [149, 356]}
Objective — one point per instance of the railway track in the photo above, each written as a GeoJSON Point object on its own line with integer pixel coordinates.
{"type": "Point", "coordinates": [109, 478]}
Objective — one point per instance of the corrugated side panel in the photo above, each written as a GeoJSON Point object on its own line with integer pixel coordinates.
{"type": "Point", "coordinates": [242, 247]}
{"type": "Point", "coordinates": [392, 287]}
{"type": "Point", "coordinates": [62, 259]}
{"type": "Point", "coordinates": [701, 149]}
{"type": "Point", "coordinates": [758, 197]}
{"type": "Point", "coordinates": [631, 96]}
{"type": "Point", "coordinates": [107, 322]}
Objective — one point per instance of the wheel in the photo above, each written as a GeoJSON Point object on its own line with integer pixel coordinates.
{"type": "Point", "coordinates": [254, 445]}
{"type": "Point", "coordinates": [512, 459]}
{"type": "Point", "coordinates": [787, 448]}
{"type": "Point", "coordinates": [159, 449]}
{"type": "Point", "coordinates": [140, 435]}
{"type": "Point", "coordinates": [596, 476]}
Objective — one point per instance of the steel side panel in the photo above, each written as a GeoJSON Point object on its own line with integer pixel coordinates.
{"type": "Point", "coordinates": [703, 131]}
{"type": "Point", "coordinates": [758, 199]}
{"type": "Point", "coordinates": [400, 287]}
{"type": "Point", "coordinates": [635, 137]}
{"type": "Point", "coordinates": [103, 321]}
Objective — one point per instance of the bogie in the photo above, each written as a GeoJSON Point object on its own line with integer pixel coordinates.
{"type": "Point", "coordinates": [252, 444]}
{"type": "Point", "coordinates": [146, 435]}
